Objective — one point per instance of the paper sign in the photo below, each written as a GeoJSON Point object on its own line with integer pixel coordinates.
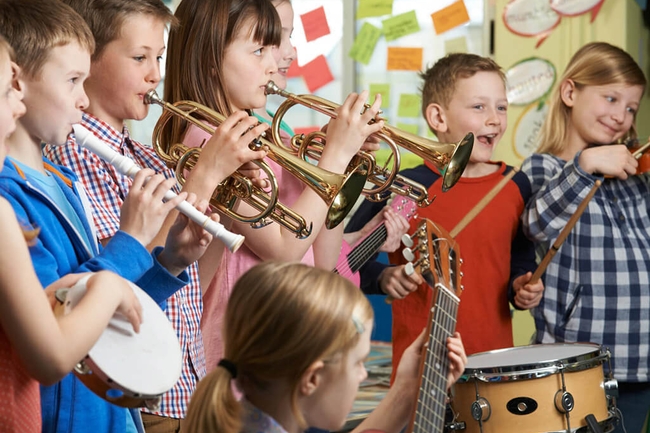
{"type": "Point", "coordinates": [317, 73]}
{"type": "Point", "coordinates": [452, 16]}
{"type": "Point", "coordinates": [384, 90]}
{"type": "Point", "coordinates": [530, 18]}
{"type": "Point", "coordinates": [404, 59]}
{"type": "Point", "coordinates": [456, 45]}
{"type": "Point", "coordinates": [365, 43]}
{"type": "Point", "coordinates": [409, 105]}
{"type": "Point", "coordinates": [571, 8]}
{"type": "Point", "coordinates": [306, 129]}
{"type": "Point", "coordinates": [374, 8]}
{"type": "Point", "coordinates": [529, 80]}
{"type": "Point", "coordinates": [527, 130]}
{"type": "Point", "coordinates": [408, 127]}
{"type": "Point", "coordinates": [400, 25]}
{"type": "Point", "coordinates": [315, 24]}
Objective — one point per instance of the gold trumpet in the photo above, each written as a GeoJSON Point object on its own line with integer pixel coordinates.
{"type": "Point", "coordinates": [449, 158]}
{"type": "Point", "coordinates": [340, 192]}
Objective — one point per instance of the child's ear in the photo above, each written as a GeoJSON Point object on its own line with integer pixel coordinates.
{"type": "Point", "coordinates": [435, 117]}
{"type": "Point", "coordinates": [567, 92]}
{"type": "Point", "coordinates": [311, 378]}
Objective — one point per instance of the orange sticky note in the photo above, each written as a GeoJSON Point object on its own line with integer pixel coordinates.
{"type": "Point", "coordinates": [404, 59]}
{"type": "Point", "coordinates": [452, 16]}
{"type": "Point", "coordinates": [315, 24]}
{"type": "Point", "coordinates": [317, 73]}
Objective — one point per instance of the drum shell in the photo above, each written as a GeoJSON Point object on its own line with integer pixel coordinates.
{"type": "Point", "coordinates": [583, 377]}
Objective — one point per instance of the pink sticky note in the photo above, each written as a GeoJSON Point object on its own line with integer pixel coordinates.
{"type": "Point", "coordinates": [315, 24]}
{"type": "Point", "coordinates": [316, 73]}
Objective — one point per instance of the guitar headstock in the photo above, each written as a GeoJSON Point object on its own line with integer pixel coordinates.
{"type": "Point", "coordinates": [433, 253]}
{"type": "Point", "coordinates": [404, 206]}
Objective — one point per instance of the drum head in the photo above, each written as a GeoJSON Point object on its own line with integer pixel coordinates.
{"type": "Point", "coordinates": [147, 363]}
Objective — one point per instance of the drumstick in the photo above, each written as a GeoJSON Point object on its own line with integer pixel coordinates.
{"type": "Point", "coordinates": [127, 167]}
{"type": "Point", "coordinates": [563, 234]}
{"type": "Point", "coordinates": [469, 216]}
{"type": "Point", "coordinates": [482, 203]}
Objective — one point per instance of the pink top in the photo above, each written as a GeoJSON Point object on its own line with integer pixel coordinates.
{"type": "Point", "coordinates": [234, 265]}
{"type": "Point", "coordinates": [20, 407]}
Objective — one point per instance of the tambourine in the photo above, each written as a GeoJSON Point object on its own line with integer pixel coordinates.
{"type": "Point", "coordinates": [126, 368]}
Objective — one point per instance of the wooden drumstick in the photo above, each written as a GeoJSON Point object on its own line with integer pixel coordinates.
{"type": "Point", "coordinates": [482, 203]}
{"type": "Point", "coordinates": [469, 216]}
{"type": "Point", "coordinates": [563, 234]}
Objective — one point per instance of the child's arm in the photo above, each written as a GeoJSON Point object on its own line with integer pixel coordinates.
{"type": "Point", "coordinates": [395, 410]}
{"type": "Point", "coordinates": [345, 137]}
{"type": "Point", "coordinates": [394, 282]}
{"type": "Point", "coordinates": [49, 347]}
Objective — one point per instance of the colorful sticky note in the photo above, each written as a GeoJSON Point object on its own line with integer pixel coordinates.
{"type": "Point", "coordinates": [315, 24]}
{"type": "Point", "coordinates": [400, 25]}
{"type": "Point", "coordinates": [404, 59]}
{"type": "Point", "coordinates": [408, 127]}
{"type": "Point", "coordinates": [456, 45]}
{"type": "Point", "coordinates": [409, 105]}
{"type": "Point", "coordinates": [364, 44]}
{"type": "Point", "coordinates": [374, 8]}
{"type": "Point", "coordinates": [452, 16]}
{"type": "Point", "coordinates": [384, 90]}
{"type": "Point", "coordinates": [316, 73]}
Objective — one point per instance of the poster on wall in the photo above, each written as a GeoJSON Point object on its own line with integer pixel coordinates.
{"type": "Point", "coordinates": [529, 80]}
{"type": "Point", "coordinates": [531, 18]}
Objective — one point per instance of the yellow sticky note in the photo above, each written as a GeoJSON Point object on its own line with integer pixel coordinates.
{"type": "Point", "coordinates": [409, 105]}
{"type": "Point", "coordinates": [365, 43]}
{"type": "Point", "coordinates": [456, 45]}
{"type": "Point", "coordinates": [404, 59]}
{"type": "Point", "coordinates": [452, 16]}
{"type": "Point", "coordinates": [400, 25]}
{"type": "Point", "coordinates": [374, 8]}
{"type": "Point", "coordinates": [408, 127]}
{"type": "Point", "coordinates": [384, 90]}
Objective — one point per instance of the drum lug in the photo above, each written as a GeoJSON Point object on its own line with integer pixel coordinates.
{"type": "Point", "coordinates": [455, 426]}
{"type": "Point", "coordinates": [82, 368]}
{"type": "Point", "coordinates": [481, 409]}
{"type": "Point", "coordinates": [564, 402]}
{"type": "Point", "coordinates": [611, 387]}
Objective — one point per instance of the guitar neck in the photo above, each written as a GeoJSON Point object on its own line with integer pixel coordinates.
{"type": "Point", "coordinates": [364, 250]}
{"type": "Point", "coordinates": [429, 416]}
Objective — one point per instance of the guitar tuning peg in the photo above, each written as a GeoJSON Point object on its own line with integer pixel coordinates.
{"type": "Point", "coordinates": [407, 240]}
{"type": "Point", "coordinates": [461, 275]}
{"type": "Point", "coordinates": [462, 287]}
{"type": "Point", "coordinates": [408, 254]}
{"type": "Point", "coordinates": [460, 261]}
{"type": "Point", "coordinates": [409, 269]}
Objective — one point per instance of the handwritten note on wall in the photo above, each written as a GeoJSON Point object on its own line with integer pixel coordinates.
{"type": "Point", "coordinates": [384, 90]}
{"type": "Point", "coordinates": [404, 59]}
{"type": "Point", "coordinates": [450, 17]}
{"type": "Point", "coordinates": [409, 105]}
{"type": "Point", "coordinates": [364, 44]}
{"type": "Point", "coordinates": [315, 24]}
{"type": "Point", "coordinates": [374, 8]}
{"type": "Point", "coordinates": [400, 25]}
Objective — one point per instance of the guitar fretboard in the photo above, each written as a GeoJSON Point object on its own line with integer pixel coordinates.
{"type": "Point", "coordinates": [430, 411]}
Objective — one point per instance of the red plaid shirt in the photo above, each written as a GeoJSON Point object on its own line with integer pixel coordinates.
{"type": "Point", "coordinates": [107, 190]}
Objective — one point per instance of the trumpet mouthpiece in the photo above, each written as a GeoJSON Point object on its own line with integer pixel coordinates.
{"type": "Point", "coordinates": [151, 97]}
{"type": "Point", "coordinates": [272, 89]}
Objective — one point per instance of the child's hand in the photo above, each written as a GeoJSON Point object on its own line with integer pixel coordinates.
{"type": "Point", "coordinates": [186, 240]}
{"type": "Point", "coordinates": [396, 226]}
{"type": "Point", "coordinates": [64, 282]}
{"type": "Point", "coordinates": [349, 131]}
{"type": "Point", "coordinates": [408, 370]}
{"type": "Point", "coordinates": [611, 160]}
{"type": "Point", "coordinates": [457, 358]}
{"type": "Point", "coordinates": [394, 282]}
{"type": "Point", "coordinates": [228, 149]}
{"type": "Point", "coordinates": [527, 295]}
{"type": "Point", "coordinates": [143, 211]}
{"type": "Point", "coordinates": [129, 305]}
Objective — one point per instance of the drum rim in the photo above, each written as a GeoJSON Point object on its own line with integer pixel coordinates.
{"type": "Point", "coordinates": [537, 370]}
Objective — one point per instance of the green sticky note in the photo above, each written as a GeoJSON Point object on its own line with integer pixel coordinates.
{"type": "Point", "coordinates": [364, 44]}
{"type": "Point", "coordinates": [400, 25]}
{"type": "Point", "coordinates": [408, 127]}
{"type": "Point", "coordinates": [384, 90]}
{"type": "Point", "coordinates": [374, 8]}
{"type": "Point", "coordinates": [409, 105]}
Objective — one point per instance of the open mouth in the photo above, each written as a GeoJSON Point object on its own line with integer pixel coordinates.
{"type": "Point", "coordinates": [487, 140]}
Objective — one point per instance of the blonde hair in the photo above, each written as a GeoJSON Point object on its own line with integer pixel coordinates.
{"type": "Point", "coordinates": [106, 17]}
{"type": "Point", "coordinates": [197, 46]}
{"type": "Point", "coordinates": [595, 64]}
{"type": "Point", "coordinates": [280, 319]}
{"type": "Point", "coordinates": [441, 79]}
{"type": "Point", "coordinates": [34, 27]}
